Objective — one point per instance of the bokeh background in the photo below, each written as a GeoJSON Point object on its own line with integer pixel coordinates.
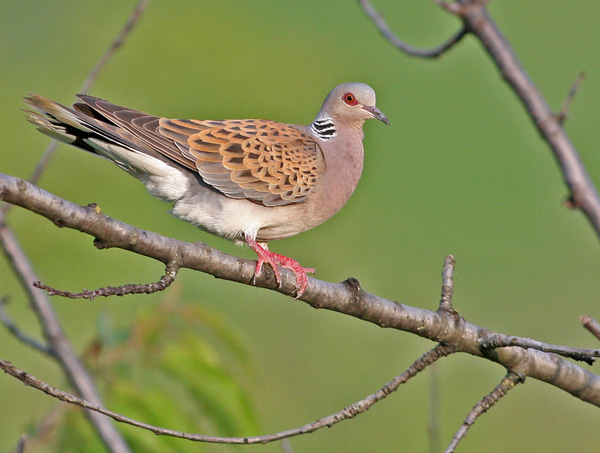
{"type": "Point", "coordinates": [461, 170]}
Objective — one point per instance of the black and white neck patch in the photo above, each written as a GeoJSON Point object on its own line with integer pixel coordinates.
{"type": "Point", "coordinates": [324, 128]}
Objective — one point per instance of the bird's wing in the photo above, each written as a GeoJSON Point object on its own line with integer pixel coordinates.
{"type": "Point", "coordinates": [263, 161]}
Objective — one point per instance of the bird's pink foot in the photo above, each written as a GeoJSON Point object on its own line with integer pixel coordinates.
{"type": "Point", "coordinates": [274, 260]}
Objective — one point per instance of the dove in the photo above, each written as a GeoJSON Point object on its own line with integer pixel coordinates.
{"type": "Point", "coordinates": [247, 180]}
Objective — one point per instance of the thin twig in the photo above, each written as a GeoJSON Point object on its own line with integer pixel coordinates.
{"type": "Point", "coordinates": [19, 334]}
{"type": "Point", "coordinates": [562, 115]}
{"type": "Point", "coordinates": [447, 285]}
{"type": "Point", "coordinates": [347, 413]}
{"type": "Point", "coordinates": [592, 325]}
{"type": "Point", "coordinates": [91, 78]}
{"type": "Point", "coordinates": [133, 19]}
{"type": "Point", "coordinates": [434, 385]}
{"type": "Point", "coordinates": [86, 86]}
{"type": "Point", "coordinates": [496, 340]}
{"type": "Point", "coordinates": [507, 383]}
{"type": "Point", "coordinates": [386, 31]}
{"type": "Point", "coordinates": [132, 288]}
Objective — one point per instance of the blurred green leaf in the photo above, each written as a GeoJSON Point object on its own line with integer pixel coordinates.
{"type": "Point", "coordinates": [166, 370]}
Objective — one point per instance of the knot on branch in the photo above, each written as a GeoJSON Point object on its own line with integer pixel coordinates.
{"type": "Point", "coordinates": [354, 286]}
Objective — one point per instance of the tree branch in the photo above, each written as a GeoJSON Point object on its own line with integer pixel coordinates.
{"type": "Point", "coordinates": [58, 345]}
{"type": "Point", "coordinates": [477, 21]}
{"type": "Point", "coordinates": [345, 414]}
{"type": "Point", "coordinates": [583, 192]}
{"type": "Point", "coordinates": [132, 288]}
{"type": "Point", "coordinates": [496, 340]}
{"type": "Point", "coordinates": [91, 78]}
{"type": "Point", "coordinates": [448, 328]}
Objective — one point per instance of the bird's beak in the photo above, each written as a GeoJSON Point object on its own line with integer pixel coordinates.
{"type": "Point", "coordinates": [377, 114]}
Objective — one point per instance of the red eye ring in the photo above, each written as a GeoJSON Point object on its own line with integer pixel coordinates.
{"type": "Point", "coordinates": [349, 99]}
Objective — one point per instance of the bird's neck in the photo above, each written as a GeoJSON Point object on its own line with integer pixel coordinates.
{"type": "Point", "coordinates": [344, 158]}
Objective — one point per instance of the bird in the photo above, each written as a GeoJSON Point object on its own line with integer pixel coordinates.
{"type": "Point", "coordinates": [247, 180]}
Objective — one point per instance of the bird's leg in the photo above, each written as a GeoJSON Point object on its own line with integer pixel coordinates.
{"type": "Point", "coordinates": [264, 256]}
{"type": "Point", "coordinates": [274, 260]}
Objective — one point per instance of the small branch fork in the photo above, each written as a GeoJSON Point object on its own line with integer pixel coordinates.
{"type": "Point", "coordinates": [345, 414]}
{"type": "Point", "coordinates": [492, 340]}
{"type": "Point", "coordinates": [496, 340]}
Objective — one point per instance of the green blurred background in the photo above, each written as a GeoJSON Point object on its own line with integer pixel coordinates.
{"type": "Point", "coordinates": [461, 170]}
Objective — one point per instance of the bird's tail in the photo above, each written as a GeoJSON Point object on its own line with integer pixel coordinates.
{"type": "Point", "coordinates": [68, 125]}
{"type": "Point", "coordinates": [91, 130]}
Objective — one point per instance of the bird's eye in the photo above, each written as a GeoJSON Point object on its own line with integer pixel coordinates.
{"type": "Point", "coordinates": [349, 99]}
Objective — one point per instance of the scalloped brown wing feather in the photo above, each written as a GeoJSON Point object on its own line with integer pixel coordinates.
{"type": "Point", "coordinates": [267, 162]}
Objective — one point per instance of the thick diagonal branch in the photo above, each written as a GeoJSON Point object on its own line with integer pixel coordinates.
{"type": "Point", "coordinates": [584, 194]}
